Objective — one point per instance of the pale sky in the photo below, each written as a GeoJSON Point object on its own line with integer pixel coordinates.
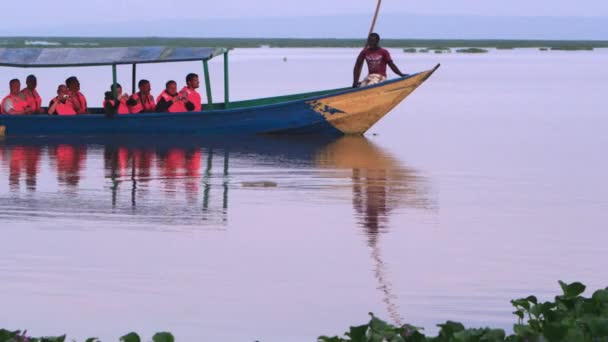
{"type": "Point", "coordinates": [107, 10]}
{"type": "Point", "coordinates": [53, 14]}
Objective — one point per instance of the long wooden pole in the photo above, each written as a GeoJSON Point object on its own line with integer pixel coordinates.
{"type": "Point", "coordinates": [375, 17]}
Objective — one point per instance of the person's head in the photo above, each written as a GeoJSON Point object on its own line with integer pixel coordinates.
{"type": "Point", "coordinates": [14, 86]}
{"type": "Point", "coordinates": [118, 89]}
{"type": "Point", "coordinates": [72, 83]}
{"type": "Point", "coordinates": [192, 81]}
{"type": "Point", "coordinates": [31, 82]}
{"type": "Point", "coordinates": [373, 41]}
{"type": "Point", "coordinates": [144, 87]}
{"type": "Point", "coordinates": [171, 87]}
{"type": "Point", "coordinates": [62, 92]}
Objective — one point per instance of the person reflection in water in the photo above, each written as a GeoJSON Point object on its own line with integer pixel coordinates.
{"type": "Point", "coordinates": [379, 185]}
{"type": "Point", "coordinates": [24, 159]}
{"type": "Point", "coordinates": [180, 165]}
{"type": "Point", "coordinates": [69, 161]}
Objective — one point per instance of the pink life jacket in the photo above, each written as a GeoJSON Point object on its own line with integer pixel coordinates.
{"type": "Point", "coordinates": [194, 97]}
{"type": "Point", "coordinates": [176, 107]}
{"type": "Point", "coordinates": [33, 99]}
{"type": "Point", "coordinates": [122, 106]}
{"type": "Point", "coordinates": [142, 107]}
{"type": "Point", "coordinates": [83, 102]}
{"type": "Point", "coordinates": [66, 108]}
{"type": "Point", "coordinates": [19, 104]}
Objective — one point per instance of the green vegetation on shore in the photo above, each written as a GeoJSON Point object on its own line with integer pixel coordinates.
{"type": "Point", "coordinates": [570, 317]}
{"type": "Point", "coordinates": [289, 42]}
{"type": "Point", "coordinates": [572, 48]}
{"type": "Point", "coordinates": [472, 50]}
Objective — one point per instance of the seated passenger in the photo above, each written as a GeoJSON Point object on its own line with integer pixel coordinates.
{"type": "Point", "coordinates": [192, 84]}
{"type": "Point", "coordinates": [142, 101]}
{"type": "Point", "coordinates": [80, 105]}
{"type": "Point", "coordinates": [63, 103]}
{"type": "Point", "coordinates": [171, 101]}
{"type": "Point", "coordinates": [112, 107]}
{"type": "Point", "coordinates": [30, 94]}
{"type": "Point", "coordinates": [13, 103]}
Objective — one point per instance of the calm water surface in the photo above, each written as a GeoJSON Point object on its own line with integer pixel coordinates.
{"type": "Point", "coordinates": [487, 184]}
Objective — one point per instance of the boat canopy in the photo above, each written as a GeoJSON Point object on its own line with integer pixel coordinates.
{"type": "Point", "coordinates": [71, 57]}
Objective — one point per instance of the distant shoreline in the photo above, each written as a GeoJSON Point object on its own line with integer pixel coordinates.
{"type": "Point", "coordinates": [296, 43]}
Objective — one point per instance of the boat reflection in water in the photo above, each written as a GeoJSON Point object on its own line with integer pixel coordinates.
{"type": "Point", "coordinates": [379, 185]}
{"type": "Point", "coordinates": [188, 182]}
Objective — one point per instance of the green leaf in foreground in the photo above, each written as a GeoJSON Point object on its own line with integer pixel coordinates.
{"type": "Point", "coordinates": [572, 290]}
{"type": "Point", "coordinates": [130, 337]}
{"type": "Point", "coordinates": [163, 337]}
{"type": "Point", "coordinates": [357, 334]}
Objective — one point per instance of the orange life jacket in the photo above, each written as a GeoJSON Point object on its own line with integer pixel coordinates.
{"type": "Point", "coordinates": [32, 98]}
{"type": "Point", "coordinates": [66, 108]}
{"type": "Point", "coordinates": [19, 104]}
{"type": "Point", "coordinates": [194, 97]}
{"type": "Point", "coordinates": [176, 107]}
{"type": "Point", "coordinates": [141, 106]}
{"type": "Point", "coordinates": [83, 102]}
{"type": "Point", "coordinates": [122, 106]}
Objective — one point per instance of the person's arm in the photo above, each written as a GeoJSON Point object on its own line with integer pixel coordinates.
{"type": "Point", "coordinates": [190, 106]}
{"type": "Point", "coordinates": [10, 108]}
{"type": "Point", "coordinates": [396, 70]}
{"type": "Point", "coordinates": [163, 105]}
{"type": "Point", "coordinates": [109, 108]}
{"type": "Point", "coordinates": [357, 70]}
{"type": "Point", "coordinates": [75, 103]}
{"type": "Point", "coordinates": [131, 101]}
{"type": "Point", "coordinates": [53, 106]}
{"type": "Point", "coordinates": [7, 106]}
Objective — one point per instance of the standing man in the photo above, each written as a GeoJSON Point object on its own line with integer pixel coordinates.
{"type": "Point", "coordinates": [31, 96]}
{"type": "Point", "coordinates": [13, 103]}
{"type": "Point", "coordinates": [80, 102]}
{"type": "Point", "coordinates": [192, 83]}
{"type": "Point", "coordinates": [377, 59]}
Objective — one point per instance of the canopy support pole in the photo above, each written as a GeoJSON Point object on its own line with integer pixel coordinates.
{"type": "Point", "coordinates": [133, 78]}
{"type": "Point", "coordinates": [226, 81]}
{"type": "Point", "coordinates": [207, 82]}
{"type": "Point", "coordinates": [114, 90]}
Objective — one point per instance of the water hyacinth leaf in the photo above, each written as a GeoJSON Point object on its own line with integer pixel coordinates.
{"type": "Point", "coordinates": [532, 299]}
{"type": "Point", "coordinates": [555, 332]}
{"type": "Point", "coordinates": [600, 296]}
{"type": "Point", "coordinates": [449, 328]}
{"type": "Point", "coordinates": [598, 326]}
{"type": "Point", "coordinates": [130, 337]}
{"type": "Point", "coordinates": [521, 303]}
{"type": "Point", "coordinates": [330, 339]}
{"type": "Point", "coordinates": [519, 314]}
{"type": "Point", "coordinates": [524, 331]}
{"type": "Point", "coordinates": [415, 336]}
{"type": "Point", "coordinates": [357, 334]}
{"type": "Point", "coordinates": [572, 290]}
{"type": "Point", "coordinates": [163, 337]}
{"type": "Point", "coordinates": [377, 324]}
{"type": "Point", "coordinates": [53, 339]}
{"type": "Point", "coordinates": [92, 339]}
{"type": "Point", "coordinates": [6, 335]}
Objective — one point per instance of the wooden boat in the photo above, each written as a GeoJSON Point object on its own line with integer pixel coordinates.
{"type": "Point", "coordinates": [330, 112]}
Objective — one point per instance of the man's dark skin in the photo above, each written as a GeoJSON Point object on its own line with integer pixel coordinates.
{"type": "Point", "coordinates": [373, 43]}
